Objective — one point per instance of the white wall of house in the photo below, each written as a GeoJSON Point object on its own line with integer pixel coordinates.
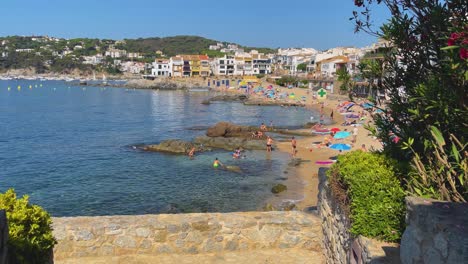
{"type": "Point", "coordinates": [223, 66]}
{"type": "Point", "coordinates": [162, 68]}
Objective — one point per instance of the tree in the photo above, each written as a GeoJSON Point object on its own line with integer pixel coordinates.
{"type": "Point", "coordinates": [425, 77]}
{"type": "Point", "coordinates": [345, 78]}
{"type": "Point", "coordinates": [302, 67]}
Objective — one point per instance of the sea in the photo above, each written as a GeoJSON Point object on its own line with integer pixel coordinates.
{"type": "Point", "coordinates": [70, 148]}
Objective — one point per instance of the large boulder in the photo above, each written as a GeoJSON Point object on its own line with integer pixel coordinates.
{"type": "Point", "coordinates": [174, 146]}
{"type": "Point", "coordinates": [279, 188]}
{"type": "Point", "coordinates": [226, 129]}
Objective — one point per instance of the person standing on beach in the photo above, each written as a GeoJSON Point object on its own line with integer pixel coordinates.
{"type": "Point", "coordinates": [355, 133]}
{"type": "Point", "coordinates": [269, 143]}
{"type": "Point", "coordinates": [331, 115]}
{"type": "Point", "coordinates": [263, 127]}
{"type": "Point", "coordinates": [321, 118]}
{"type": "Point", "coordinates": [293, 147]}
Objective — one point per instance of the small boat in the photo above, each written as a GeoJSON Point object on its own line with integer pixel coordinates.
{"type": "Point", "coordinates": [83, 82]}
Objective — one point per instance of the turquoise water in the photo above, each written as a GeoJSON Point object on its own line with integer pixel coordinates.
{"type": "Point", "coordinates": [69, 149]}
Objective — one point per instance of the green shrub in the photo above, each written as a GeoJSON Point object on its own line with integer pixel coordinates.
{"type": "Point", "coordinates": [376, 199]}
{"type": "Point", "coordinates": [29, 227]}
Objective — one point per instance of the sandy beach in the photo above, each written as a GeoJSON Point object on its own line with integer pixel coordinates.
{"type": "Point", "coordinates": [302, 181]}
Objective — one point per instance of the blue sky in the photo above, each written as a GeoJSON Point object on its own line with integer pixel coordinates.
{"type": "Point", "coordinates": [274, 23]}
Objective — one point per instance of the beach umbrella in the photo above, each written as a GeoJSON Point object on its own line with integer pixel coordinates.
{"type": "Point", "coordinates": [340, 146]}
{"type": "Point", "coordinates": [335, 129]}
{"type": "Point", "coordinates": [342, 134]}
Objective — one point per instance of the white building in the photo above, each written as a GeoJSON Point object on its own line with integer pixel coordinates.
{"type": "Point", "coordinates": [162, 68]}
{"type": "Point", "coordinates": [116, 53]}
{"type": "Point", "coordinates": [261, 64]}
{"type": "Point", "coordinates": [223, 66]}
{"type": "Point", "coordinates": [93, 60]}
{"type": "Point", "coordinates": [134, 55]}
{"type": "Point", "coordinates": [177, 65]}
{"type": "Point", "coordinates": [243, 65]}
{"type": "Point", "coordinates": [132, 67]}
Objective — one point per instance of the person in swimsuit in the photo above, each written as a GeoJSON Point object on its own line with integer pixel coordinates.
{"type": "Point", "coordinates": [269, 143]}
{"type": "Point", "coordinates": [263, 127]}
{"type": "Point", "coordinates": [191, 152]}
{"type": "Point", "coordinates": [217, 163]}
{"type": "Point", "coordinates": [236, 154]}
{"type": "Point", "coordinates": [363, 147]}
{"type": "Point", "coordinates": [293, 145]}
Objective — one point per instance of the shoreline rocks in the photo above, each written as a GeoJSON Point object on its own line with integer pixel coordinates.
{"type": "Point", "coordinates": [226, 98]}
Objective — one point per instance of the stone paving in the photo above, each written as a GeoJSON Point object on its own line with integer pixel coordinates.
{"type": "Point", "coordinates": [265, 256]}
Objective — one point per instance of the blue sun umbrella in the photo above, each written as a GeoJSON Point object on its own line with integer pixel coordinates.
{"type": "Point", "coordinates": [340, 146]}
{"type": "Point", "coordinates": [342, 134]}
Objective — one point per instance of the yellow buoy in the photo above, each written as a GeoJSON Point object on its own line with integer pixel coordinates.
{"type": "Point", "coordinates": [30, 86]}
{"type": "Point", "coordinates": [19, 87]}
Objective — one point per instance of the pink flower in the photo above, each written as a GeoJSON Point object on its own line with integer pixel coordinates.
{"type": "Point", "coordinates": [455, 36]}
{"type": "Point", "coordinates": [463, 53]}
{"type": "Point", "coordinates": [450, 42]}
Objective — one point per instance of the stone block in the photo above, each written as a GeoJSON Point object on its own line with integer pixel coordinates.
{"type": "Point", "coordinates": [125, 242]}
{"type": "Point", "coordinates": [143, 232]}
{"type": "Point", "coordinates": [164, 249]}
{"type": "Point", "coordinates": [231, 245]}
{"type": "Point", "coordinates": [160, 236]}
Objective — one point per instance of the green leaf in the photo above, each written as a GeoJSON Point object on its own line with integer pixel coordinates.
{"type": "Point", "coordinates": [449, 48]}
{"type": "Point", "coordinates": [437, 135]}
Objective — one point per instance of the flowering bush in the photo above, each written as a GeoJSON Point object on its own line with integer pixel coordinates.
{"type": "Point", "coordinates": [425, 77]}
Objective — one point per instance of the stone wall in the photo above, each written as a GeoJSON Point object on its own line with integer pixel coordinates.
{"type": "Point", "coordinates": [339, 246]}
{"type": "Point", "coordinates": [3, 237]}
{"type": "Point", "coordinates": [184, 233]}
{"type": "Point", "coordinates": [335, 224]}
{"type": "Point", "coordinates": [436, 232]}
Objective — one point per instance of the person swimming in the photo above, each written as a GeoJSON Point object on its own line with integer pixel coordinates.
{"type": "Point", "coordinates": [217, 163]}
{"type": "Point", "coordinates": [237, 153]}
{"type": "Point", "coordinates": [191, 152]}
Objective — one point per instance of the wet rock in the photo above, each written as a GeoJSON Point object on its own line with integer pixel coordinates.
{"type": "Point", "coordinates": [226, 129]}
{"type": "Point", "coordinates": [175, 146]}
{"type": "Point", "coordinates": [279, 188]}
{"type": "Point", "coordinates": [268, 207]}
{"type": "Point", "coordinates": [233, 168]}
{"type": "Point", "coordinates": [287, 206]}
{"type": "Point", "coordinates": [226, 98]}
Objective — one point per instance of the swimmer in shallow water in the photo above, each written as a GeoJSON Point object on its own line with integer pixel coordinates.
{"type": "Point", "coordinates": [191, 152]}
{"type": "Point", "coordinates": [217, 163]}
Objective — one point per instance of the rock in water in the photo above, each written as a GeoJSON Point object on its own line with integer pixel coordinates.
{"type": "Point", "coordinates": [279, 188]}
{"type": "Point", "coordinates": [233, 168]}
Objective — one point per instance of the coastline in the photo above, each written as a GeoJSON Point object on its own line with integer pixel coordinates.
{"type": "Point", "coordinates": [302, 180]}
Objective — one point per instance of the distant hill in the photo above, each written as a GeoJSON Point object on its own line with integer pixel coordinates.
{"type": "Point", "coordinates": [178, 45]}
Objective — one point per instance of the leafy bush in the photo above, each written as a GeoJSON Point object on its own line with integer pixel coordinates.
{"type": "Point", "coordinates": [425, 74]}
{"type": "Point", "coordinates": [285, 80]}
{"type": "Point", "coordinates": [29, 226]}
{"type": "Point", "coordinates": [376, 199]}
